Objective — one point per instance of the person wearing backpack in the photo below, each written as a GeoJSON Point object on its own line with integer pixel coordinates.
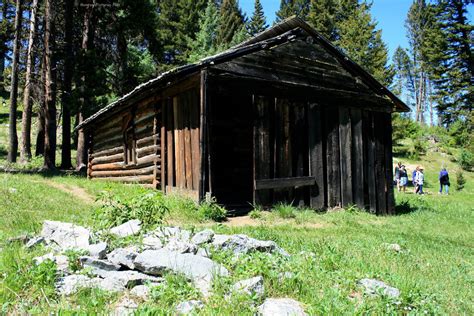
{"type": "Point", "coordinates": [443, 181]}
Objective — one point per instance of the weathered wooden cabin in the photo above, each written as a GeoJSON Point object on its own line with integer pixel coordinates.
{"type": "Point", "coordinates": [284, 116]}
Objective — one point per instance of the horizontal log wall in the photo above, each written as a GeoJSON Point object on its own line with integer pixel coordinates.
{"type": "Point", "coordinates": [107, 157]}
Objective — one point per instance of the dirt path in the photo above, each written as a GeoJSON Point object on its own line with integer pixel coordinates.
{"type": "Point", "coordinates": [76, 191]}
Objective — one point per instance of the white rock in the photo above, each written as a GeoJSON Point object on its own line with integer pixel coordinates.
{"type": "Point", "coordinates": [166, 233]}
{"type": "Point", "coordinates": [203, 252]}
{"type": "Point", "coordinates": [98, 250]}
{"type": "Point", "coordinates": [41, 259]}
{"type": "Point", "coordinates": [374, 287]}
{"type": "Point", "coordinates": [218, 240]}
{"type": "Point", "coordinates": [132, 227]}
{"type": "Point", "coordinates": [125, 307]}
{"type": "Point", "coordinates": [66, 235]}
{"type": "Point", "coordinates": [141, 291]}
{"type": "Point", "coordinates": [34, 242]}
{"type": "Point", "coordinates": [12, 190]}
{"type": "Point", "coordinates": [252, 286]}
{"type": "Point", "coordinates": [109, 284]}
{"type": "Point", "coordinates": [129, 279]}
{"type": "Point", "coordinates": [187, 307]}
{"type": "Point", "coordinates": [72, 283]}
{"type": "Point", "coordinates": [199, 269]}
{"type": "Point", "coordinates": [98, 267]}
{"type": "Point", "coordinates": [203, 237]}
{"type": "Point", "coordinates": [394, 247]}
{"type": "Point", "coordinates": [286, 275]}
{"type": "Point", "coordinates": [180, 246]}
{"type": "Point", "coordinates": [281, 307]}
{"type": "Point", "coordinates": [62, 263]}
{"type": "Point", "coordinates": [245, 244]}
{"type": "Point", "coordinates": [152, 242]}
{"type": "Point", "coordinates": [123, 257]}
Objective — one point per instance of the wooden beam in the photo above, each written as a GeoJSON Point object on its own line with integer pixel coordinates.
{"type": "Point", "coordinates": [316, 161]}
{"type": "Point", "coordinates": [358, 158]}
{"type": "Point", "coordinates": [282, 183]}
{"type": "Point", "coordinates": [345, 145]}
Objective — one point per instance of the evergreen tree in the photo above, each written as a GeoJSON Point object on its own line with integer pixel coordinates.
{"type": "Point", "coordinates": [293, 7]}
{"type": "Point", "coordinates": [257, 23]}
{"type": "Point", "coordinates": [322, 16]}
{"type": "Point", "coordinates": [360, 40]}
{"type": "Point", "coordinates": [206, 38]}
{"type": "Point", "coordinates": [402, 71]}
{"type": "Point", "coordinates": [231, 22]}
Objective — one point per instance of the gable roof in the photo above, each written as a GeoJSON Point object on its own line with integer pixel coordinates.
{"type": "Point", "coordinates": [279, 33]}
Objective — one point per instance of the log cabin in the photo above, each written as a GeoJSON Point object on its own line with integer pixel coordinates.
{"type": "Point", "coordinates": [282, 117]}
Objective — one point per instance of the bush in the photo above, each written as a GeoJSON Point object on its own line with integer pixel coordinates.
{"type": "Point", "coordinates": [466, 159]}
{"type": "Point", "coordinates": [460, 181]}
{"type": "Point", "coordinates": [284, 210]}
{"type": "Point", "coordinates": [149, 208]}
{"type": "Point", "coordinates": [210, 210]}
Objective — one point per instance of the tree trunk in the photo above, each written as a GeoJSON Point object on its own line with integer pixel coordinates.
{"type": "Point", "coordinates": [81, 155]}
{"type": "Point", "coordinates": [3, 47]}
{"type": "Point", "coordinates": [25, 150]}
{"type": "Point", "coordinates": [13, 146]}
{"type": "Point", "coordinates": [49, 89]}
{"type": "Point", "coordinates": [67, 86]}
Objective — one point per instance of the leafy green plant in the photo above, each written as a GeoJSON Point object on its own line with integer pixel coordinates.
{"type": "Point", "coordinates": [149, 208]}
{"type": "Point", "coordinates": [460, 181]}
{"type": "Point", "coordinates": [284, 210]}
{"type": "Point", "coordinates": [255, 214]}
{"type": "Point", "coordinates": [175, 288]}
{"type": "Point", "coordinates": [210, 210]}
{"type": "Point", "coordinates": [74, 264]}
{"type": "Point", "coordinates": [43, 276]}
{"type": "Point", "coordinates": [466, 159]}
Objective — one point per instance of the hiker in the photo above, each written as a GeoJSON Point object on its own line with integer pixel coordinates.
{"type": "Point", "coordinates": [443, 181]}
{"type": "Point", "coordinates": [420, 179]}
{"type": "Point", "coordinates": [397, 174]}
{"type": "Point", "coordinates": [403, 178]}
{"type": "Point", "coordinates": [413, 180]}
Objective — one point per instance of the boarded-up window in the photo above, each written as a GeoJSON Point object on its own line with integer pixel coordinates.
{"type": "Point", "coordinates": [130, 143]}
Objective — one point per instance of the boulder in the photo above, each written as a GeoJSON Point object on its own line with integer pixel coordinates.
{"type": "Point", "coordinates": [180, 246]}
{"type": "Point", "coordinates": [218, 240]}
{"type": "Point", "coordinates": [98, 250]}
{"type": "Point", "coordinates": [281, 307]}
{"type": "Point", "coordinates": [109, 284]}
{"type": "Point", "coordinates": [187, 307]}
{"type": "Point", "coordinates": [141, 291]}
{"type": "Point", "coordinates": [252, 286]}
{"type": "Point", "coordinates": [72, 283]}
{"type": "Point", "coordinates": [66, 235]}
{"type": "Point", "coordinates": [198, 269]}
{"type": "Point", "coordinates": [123, 257]}
{"type": "Point", "coordinates": [152, 242]}
{"type": "Point", "coordinates": [202, 237]}
{"type": "Point", "coordinates": [35, 241]}
{"type": "Point", "coordinates": [132, 227]}
{"type": "Point", "coordinates": [245, 244]}
{"type": "Point", "coordinates": [98, 267]}
{"type": "Point", "coordinates": [374, 287]}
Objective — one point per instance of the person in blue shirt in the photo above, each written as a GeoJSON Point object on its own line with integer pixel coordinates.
{"type": "Point", "coordinates": [413, 180]}
{"type": "Point", "coordinates": [443, 181]}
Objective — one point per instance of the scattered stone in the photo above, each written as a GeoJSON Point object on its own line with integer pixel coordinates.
{"type": "Point", "coordinates": [281, 307]}
{"type": "Point", "coordinates": [152, 242]}
{"type": "Point", "coordinates": [66, 235]}
{"type": "Point", "coordinates": [109, 284]}
{"type": "Point", "coordinates": [141, 292]}
{"type": "Point", "coordinates": [252, 286]}
{"type": "Point", "coordinates": [245, 244]}
{"type": "Point", "coordinates": [125, 307]}
{"type": "Point", "coordinates": [180, 246]}
{"type": "Point", "coordinates": [72, 283]}
{"type": "Point", "coordinates": [12, 190]}
{"type": "Point", "coordinates": [203, 237]}
{"type": "Point", "coordinates": [62, 264]}
{"type": "Point", "coordinates": [35, 241]}
{"type": "Point", "coordinates": [129, 279]}
{"type": "Point", "coordinates": [99, 267]}
{"type": "Point", "coordinates": [21, 239]}
{"type": "Point", "coordinates": [98, 250]}
{"type": "Point", "coordinates": [123, 257]}
{"type": "Point", "coordinates": [203, 252]}
{"type": "Point", "coordinates": [374, 287]}
{"type": "Point", "coordinates": [132, 227]}
{"type": "Point", "coordinates": [219, 240]}
{"type": "Point", "coordinates": [394, 247]}
{"type": "Point", "coordinates": [199, 269]}
{"type": "Point", "coordinates": [41, 259]}
{"type": "Point", "coordinates": [188, 307]}
{"type": "Point", "coordinates": [166, 233]}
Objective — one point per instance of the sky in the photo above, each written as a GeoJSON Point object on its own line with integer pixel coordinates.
{"type": "Point", "coordinates": [389, 14]}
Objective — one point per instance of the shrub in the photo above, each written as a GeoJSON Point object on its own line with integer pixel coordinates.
{"type": "Point", "coordinates": [149, 208]}
{"type": "Point", "coordinates": [210, 210]}
{"type": "Point", "coordinates": [255, 214]}
{"type": "Point", "coordinates": [460, 181]}
{"type": "Point", "coordinates": [284, 210]}
{"type": "Point", "coordinates": [466, 159]}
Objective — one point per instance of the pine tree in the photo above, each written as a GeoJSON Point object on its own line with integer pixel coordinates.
{"type": "Point", "coordinates": [206, 38]}
{"type": "Point", "coordinates": [257, 23]}
{"type": "Point", "coordinates": [231, 22]}
{"type": "Point", "coordinates": [360, 40]}
{"type": "Point", "coordinates": [293, 7]}
{"type": "Point", "coordinates": [402, 71]}
{"type": "Point", "coordinates": [321, 15]}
